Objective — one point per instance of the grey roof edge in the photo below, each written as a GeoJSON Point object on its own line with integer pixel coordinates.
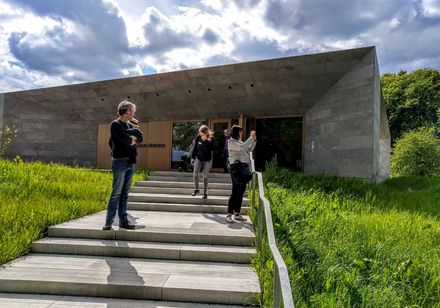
{"type": "Point", "coordinates": [366, 49]}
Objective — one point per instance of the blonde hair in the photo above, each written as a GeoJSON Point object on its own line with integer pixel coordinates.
{"type": "Point", "coordinates": [204, 129]}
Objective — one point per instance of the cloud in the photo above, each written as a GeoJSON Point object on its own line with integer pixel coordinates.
{"type": "Point", "coordinates": [406, 33]}
{"type": "Point", "coordinates": [161, 36]}
{"type": "Point", "coordinates": [53, 42]}
{"type": "Point", "coordinates": [85, 40]}
{"type": "Point", "coordinates": [210, 37]}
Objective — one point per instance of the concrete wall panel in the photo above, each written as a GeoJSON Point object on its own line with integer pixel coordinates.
{"type": "Point", "coordinates": [343, 146]}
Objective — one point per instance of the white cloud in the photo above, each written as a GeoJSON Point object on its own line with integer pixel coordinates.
{"type": "Point", "coordinates": [431, 8]}
{"type": "Point", "coordinates": [92, 40]}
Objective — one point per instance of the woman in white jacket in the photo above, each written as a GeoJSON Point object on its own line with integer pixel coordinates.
{"type": "Point", "coordinates": [238, 153]}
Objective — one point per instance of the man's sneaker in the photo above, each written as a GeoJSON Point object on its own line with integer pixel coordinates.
{"type": "Point", "coordinates": [108, 225]}
{"type": "Point", "coordinates": [126, 225]}
{"type": "Point", "coordinates": [196, 191]}
{"type": "Point", "coordinates": [239, 217]}
{"type": "Point", "coordinates": [229, 218]}
{"type": "Point", "coordinates": [205, 196]}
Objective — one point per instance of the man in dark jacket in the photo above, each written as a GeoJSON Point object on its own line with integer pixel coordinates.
{"type": "Point", "coordinates": [123, 142]}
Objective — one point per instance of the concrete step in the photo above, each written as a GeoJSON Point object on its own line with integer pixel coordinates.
{"type": "Point", "coordinates": [168, 280]}
{"type": "Point", "coordinates": [212, 175]}
{"type": "Point", "coordinates": [147, 250]}
{"type": "Point", "coordinates": [169, 227]}
{"type": "Point", "coordinates": [186, 179]}
{"type": "Point", "coordinates": [180, 207]}
{"type": "Point", "coordinates": [178, 191]}
{"type": "Point", "coordinates": [174, 198]}
{"type": "Point", "coordinates": [190, 185]}
{"type": "Point", "coordinates": [16, 300]}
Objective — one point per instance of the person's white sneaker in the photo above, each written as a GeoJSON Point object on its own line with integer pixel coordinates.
{"type": "Point", "coordinates": [239, 217]}
{"type": "Point", "coordinates": [229, 218]}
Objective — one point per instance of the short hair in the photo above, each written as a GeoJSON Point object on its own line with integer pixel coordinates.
{"type": "Point", "coordinates": [125, 106]}
{"type": "Point", "coordinates": [204, 129]}
{"type": "Point", "coordinates": [235, 131]}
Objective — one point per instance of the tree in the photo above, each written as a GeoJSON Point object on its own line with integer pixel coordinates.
{"type": "Point", "coordinates": [184, 133]}
{"type": "Point", "coordinates": [412, 100]}
{"type": "Point", "coordinates": [417, 153]}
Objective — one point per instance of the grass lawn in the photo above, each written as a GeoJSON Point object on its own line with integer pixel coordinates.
{"type": "Point", "coordinates": [34, 196]}
{"type": "Point", "coordinates": [349, 243]}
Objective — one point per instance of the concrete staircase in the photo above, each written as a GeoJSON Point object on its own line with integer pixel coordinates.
{"type": "Point", "coordinates": [182, 254]}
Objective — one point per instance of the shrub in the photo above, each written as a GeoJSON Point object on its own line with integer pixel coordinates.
{"type": "Point", "coordinates": [6, 137]}
{"type": "Point", "coordinates": [417, 153]}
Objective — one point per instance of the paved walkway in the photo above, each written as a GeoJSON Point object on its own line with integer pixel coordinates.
{"type": "Point", "coordinates": [182, 254]}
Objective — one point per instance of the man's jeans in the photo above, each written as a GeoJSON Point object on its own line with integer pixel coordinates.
{"type": "Point", "coordinates": [123, 172]}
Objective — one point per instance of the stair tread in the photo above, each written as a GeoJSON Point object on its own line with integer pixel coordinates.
{"type": "Point", "coordinates": [174, 196]}
{"type": "Point", "coordinates": [134, 244]}
{"type": "Point", "coordinates": [171, 222]}
{"type": "Point", "coordinates": [182, 204]}
{"type": "Point", "coordinates": [60, 301]}
{"type": "Point", "coordinates": [186, 179]}
{"type": "Point", "coordinates": [178, 182]}
{"type": "Point", "coordinates": [188, 174]}
{"type": "Point", "coordinates": [160, 276]}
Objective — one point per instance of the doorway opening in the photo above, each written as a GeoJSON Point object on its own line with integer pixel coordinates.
{"type": "Point", "coordinates": [218, 127]}
{"type": "Point", "coordinates": [280, 139]}
{"type": "Point", "coordinates": [183, 135]}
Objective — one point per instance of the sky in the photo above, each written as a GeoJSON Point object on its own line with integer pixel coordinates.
{"type": "Point", "coordinates": [56, 42]}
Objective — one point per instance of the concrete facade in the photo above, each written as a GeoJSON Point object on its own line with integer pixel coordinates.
{"type": "Point", "coordinates": [338, 94]}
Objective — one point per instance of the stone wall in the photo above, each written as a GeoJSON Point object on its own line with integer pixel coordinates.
{"type": "Point", "coordinates": [340, 127]}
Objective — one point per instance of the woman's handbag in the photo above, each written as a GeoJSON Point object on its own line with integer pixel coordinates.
{"type": "Point", "coordinates": [240, 173]}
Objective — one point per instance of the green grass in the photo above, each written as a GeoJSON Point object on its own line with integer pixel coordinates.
{"type": "Point", "coordinates": [34, 196]}
{"type": "Point", "coordinates": [349, 243]}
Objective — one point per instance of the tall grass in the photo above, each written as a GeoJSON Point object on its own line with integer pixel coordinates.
{"type": "Point", "coordinates": [34, 196]}
{"type": "Point", "coordinates": [349, 243]}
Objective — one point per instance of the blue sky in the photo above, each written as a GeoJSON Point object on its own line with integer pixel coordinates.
{"type": "Point", "coordinates": [57, 42]}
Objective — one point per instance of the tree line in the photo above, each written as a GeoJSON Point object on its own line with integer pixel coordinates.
{"type": "Point", "coordinates": [412, 101]}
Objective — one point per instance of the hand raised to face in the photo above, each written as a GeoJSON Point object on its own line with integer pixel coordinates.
{"type": "Point", "coordinates": [253, 135]}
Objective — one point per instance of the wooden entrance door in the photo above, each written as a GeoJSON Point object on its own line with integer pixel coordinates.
{"type": "Point", "coordinates": [154, 153]}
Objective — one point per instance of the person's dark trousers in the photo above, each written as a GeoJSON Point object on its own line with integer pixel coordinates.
{"type": "Point", "coordinates": [123, 172]}
{"type": "Point", "coordinates": [236, 198]}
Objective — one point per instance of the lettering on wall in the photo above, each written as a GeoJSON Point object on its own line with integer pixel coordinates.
{"type": "Point", "coordinates": [151, 145]}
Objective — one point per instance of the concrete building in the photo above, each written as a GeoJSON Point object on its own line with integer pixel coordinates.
{"type": "Point", "coordinates": [320, 113]}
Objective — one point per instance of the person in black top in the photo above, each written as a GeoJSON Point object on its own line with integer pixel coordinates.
{"type": "Point", "coordinates": [123, 143]}
{"type": "Point", "coordinates": [201, 157]}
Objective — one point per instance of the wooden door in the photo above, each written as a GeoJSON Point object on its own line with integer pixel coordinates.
{"type": "Point", "coordinates": [158, 144]}
{"type": "Point", "coordinates": [103, 151]}
{"type": "Point", "coordinates": [154, 153]}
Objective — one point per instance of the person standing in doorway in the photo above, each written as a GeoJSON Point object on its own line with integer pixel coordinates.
{"type": "Point", "coordinates": [238, 154]}
{"type": "Point", "coordinates": [225, 150]}
{"type": "Point", "coordinates": [201, 157]}
{"type": "Point", "coordinates": [123, 142]}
